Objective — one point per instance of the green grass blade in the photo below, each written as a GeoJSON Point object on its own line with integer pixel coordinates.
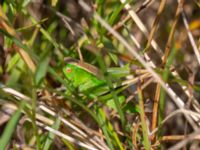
{"type": "Point", "coordinates": [42, 68]}
{"type": "Point", "coordinates": [165, 78]}
{"type": "Point", "coordinates": [102, 121]}
{"type": "Point", "coordinates": [147, 144]}
{"type": "Point", "coordinates": [51, 136]}
{"type": "Point", "coordinates": [112, 91]}
{"type": "Point", "coordinates": [10, 128]}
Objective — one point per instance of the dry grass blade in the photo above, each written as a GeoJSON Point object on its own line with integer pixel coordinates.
{"type": "Point", "coordinates": [16, 94]}
{"type": "Point", "coordinates": [144, 5]}
{"type": "Point", "coordinates": [94, 141]}
{"type": "Point", "coordinates": [177, 138]}
{"type": "Point", "coordinates": [141, 26]}
{"type": "Point", "coordinates": [166, 87]}
{"type": "Point", "coordinates": [136, 19]}
{"type": "Point", "coordinates": [135, 54]}
{"type": "Point", "coordinates": [170, 92]}
{"type": "Point", "coordinates": [129, 80]}
{"type": "Point", "coordinates": [155, 24]}
{"type": "Point", "coordinates": [184, 111]}
{"type": "Point", "coordinates": [70, 139]}
{"type": "Point", "coordinates": [182, 143]}
{"type": "Point", "coordinates": [6, 112]}
{"type": "Point", "coordinates": [145, 129]}
{"type": "Point", "coordinates": [171, 35]}
{"type": "Point", "coordinates": [192, 41]}
{"type": "Point", "coordinates": [166, 54]}
{"type": "Point", "coordinates": [155, 109]}
{"type": "Point", "coordinates": [27, 59]}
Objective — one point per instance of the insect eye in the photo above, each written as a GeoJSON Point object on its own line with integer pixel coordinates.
{"type": "Point", "coordinates": [69, 70]}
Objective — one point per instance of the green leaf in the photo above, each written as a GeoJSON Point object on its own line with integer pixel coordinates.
{"type": "Point", "coordinates": [119, 72]}
{"type": "Point", "coordinates": [111, 103]}
{"type": "Point", "coordinates": [10, 127]}
{"type": "Point", "coordinates": [51, 136]}
{"type": "Point", "coordinates": [16, 73]}
{"type": "Point", "coordinates": [42, 69]}
{"type": "Point", "coordinates": [130, 108]}
{"type": "Point", "coordinates": [13, 61]}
